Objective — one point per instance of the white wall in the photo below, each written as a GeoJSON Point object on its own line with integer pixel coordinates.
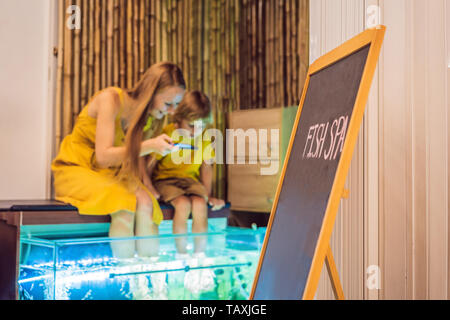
{"type": "Point", "coordinates": [25, 103]}
{"type": "Point", "coordinates": [414, 156]}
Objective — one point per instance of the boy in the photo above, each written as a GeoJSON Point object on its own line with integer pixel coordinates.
{"type": "Point", "coordinates": [186, 181]}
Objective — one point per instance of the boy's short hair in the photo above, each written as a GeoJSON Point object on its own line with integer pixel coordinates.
{"type": "Point", "coordinates": [195, 105]}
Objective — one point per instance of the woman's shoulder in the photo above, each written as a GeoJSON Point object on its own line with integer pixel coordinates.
{"type": "Point", "coordinates": [108, 99]}
{"type": "Point", "coordinates": [113, 94]}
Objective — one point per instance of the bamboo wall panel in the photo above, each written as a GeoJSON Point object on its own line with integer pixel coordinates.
{"type": "Point", "coordinates": [243, 54]}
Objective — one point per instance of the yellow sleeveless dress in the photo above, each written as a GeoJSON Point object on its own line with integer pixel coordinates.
{"type": "Point", "coordinates": [78, 181]}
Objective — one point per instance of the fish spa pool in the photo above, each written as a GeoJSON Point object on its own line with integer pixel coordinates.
{"type": "Point", "coordinates": [76, 262]}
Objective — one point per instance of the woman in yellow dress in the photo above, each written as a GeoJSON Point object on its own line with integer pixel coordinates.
{"type": "Point", "coordinates": [100, 168]}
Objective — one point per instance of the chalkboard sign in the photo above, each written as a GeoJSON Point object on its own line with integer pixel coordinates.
{"type": "Point", "coordinates": [316, 166]}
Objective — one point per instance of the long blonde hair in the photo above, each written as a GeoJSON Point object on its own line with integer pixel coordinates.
{"type": "Point", "coordinates": [158, 77]}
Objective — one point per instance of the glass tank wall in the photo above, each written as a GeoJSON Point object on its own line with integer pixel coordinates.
{"type": "Point", "coordinates": [76, 262]}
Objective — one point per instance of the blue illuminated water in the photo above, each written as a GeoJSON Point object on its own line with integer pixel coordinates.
{"type": "Point", "coordinates": [85, 269]}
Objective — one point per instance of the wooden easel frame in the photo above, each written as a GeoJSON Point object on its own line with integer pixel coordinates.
{"type": "Point", "coordinates": [334, 275]}
{"type": "Point", "coordinates": [373, 37]}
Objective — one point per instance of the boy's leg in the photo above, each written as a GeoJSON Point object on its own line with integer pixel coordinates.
{"type": "Point", "coordinates": [122, 226]}
{"type": "Point", "coordinates": [182, 205]}
{"type": "Point", "coordinates": [199, 222]}
{"type": "Point", "coordinates": [145, 226]}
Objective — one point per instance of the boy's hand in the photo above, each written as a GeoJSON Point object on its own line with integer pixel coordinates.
{"type": "Point", "coordinates": [216, 204]}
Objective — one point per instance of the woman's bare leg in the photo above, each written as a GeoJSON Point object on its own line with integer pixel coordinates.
{"type": "Point", "coordinates": [145, 226]}
{"type": "Point", "coordinates": [199, 222]}
{"type": "Point", "coordinates": [122, 226]}
{"type": "Point", "coordinates": [182, 207]}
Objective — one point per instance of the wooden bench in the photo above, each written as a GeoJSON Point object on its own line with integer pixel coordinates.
{"type": "Point", "coordinates": [42, 212]}
{"type": "Point", "coordinates": [15, 214]}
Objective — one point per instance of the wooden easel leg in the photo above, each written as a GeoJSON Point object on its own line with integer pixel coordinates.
{"type": "Point", "coordinates": [334, 275]}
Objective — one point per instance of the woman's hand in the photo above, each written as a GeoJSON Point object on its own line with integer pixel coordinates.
{"type": "Point", "coordinates": [148, 182]}
{"type": "Point", "coordinates": [152, 189]}
{"type": "Point", "coordinates": [162, 144]}
{"type": "Point", "coordinates": [216, 204]}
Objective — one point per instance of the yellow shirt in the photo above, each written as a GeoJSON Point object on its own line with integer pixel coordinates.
{"type": "Point", "coordinates": [183, 163]}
